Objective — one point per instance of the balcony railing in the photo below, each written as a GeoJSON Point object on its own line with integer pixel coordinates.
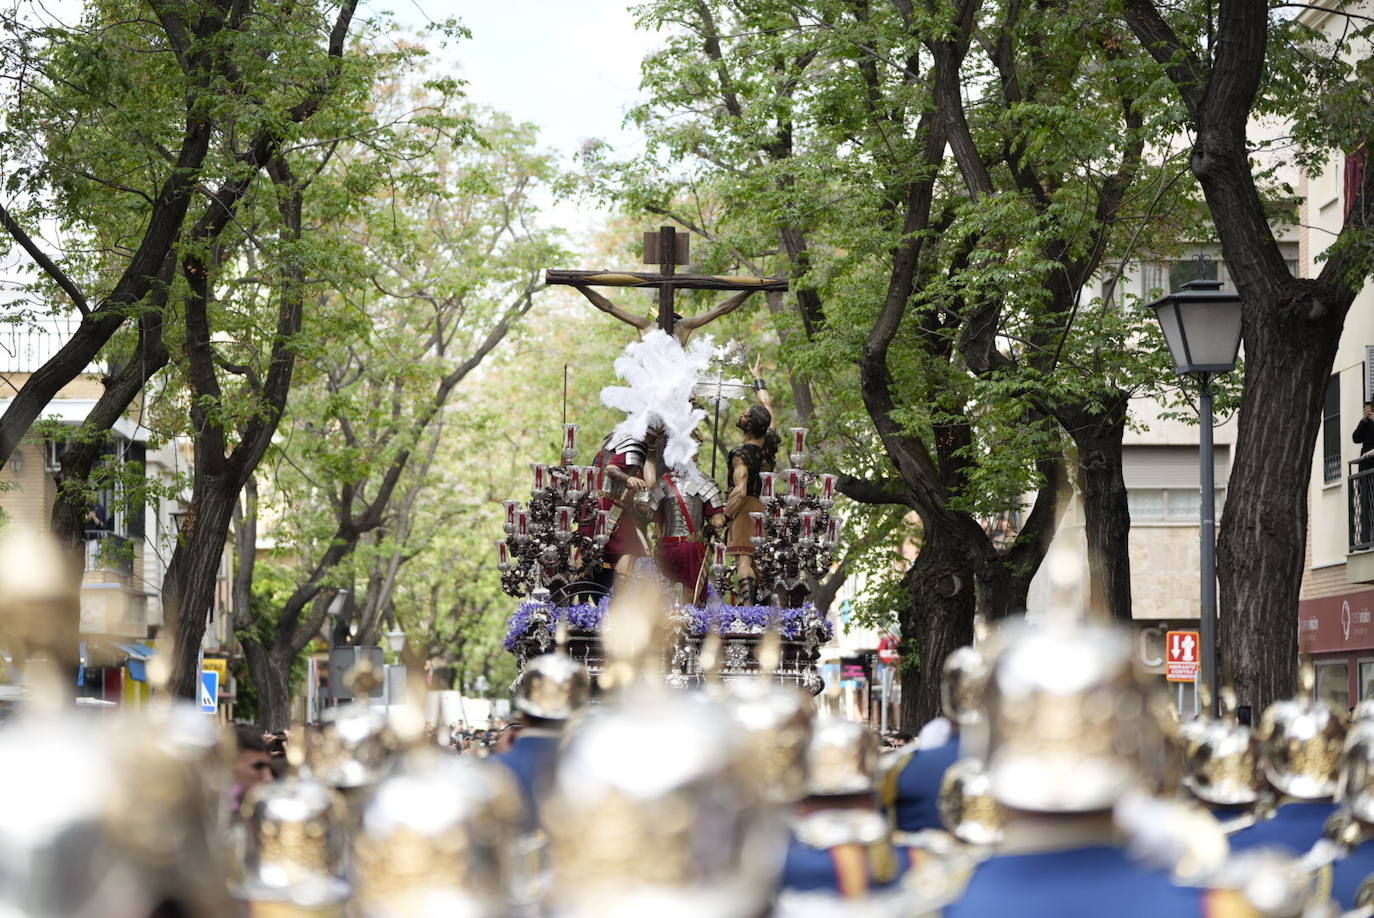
{"type": "Point", "coordinates": [106, 551]}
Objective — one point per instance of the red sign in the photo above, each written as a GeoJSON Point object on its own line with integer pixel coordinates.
{"type": "Point", "coordinates": [1336, 623]}
{"type": "Point", "coordinates": [887, 650]}
{"type": "Point", "coordinates": [1182, 652]}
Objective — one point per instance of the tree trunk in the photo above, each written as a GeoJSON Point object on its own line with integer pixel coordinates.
{"type": "Point", "coordinates": [938, 621]}
{"type": "Point", "coordinates": [1264, 524]}
{"type": "Point", "coordinates": [272, 677]}
{"type": "Point", "coordinates": [1106, 512]}
{"type": "Point", "coordinates": [188, 589]}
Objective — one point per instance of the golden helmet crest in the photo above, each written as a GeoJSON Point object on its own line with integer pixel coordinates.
{"type": "Point", "coordinates": [552, 687]}
{"type": "Point", "coordinates": [777, 721]}
{"type": "Point", "coordinates": [968, 809]}
{"type": "Point", "coordinates": [437, 837]}
{"type": "Point", "coordinates": [961, 685]}
{"type": "Point", "coordinates": [652, 809]}
{"type": "Point", "coordinates": [1064, 717]}
{"type": "Point", "coordinates": [1301, 741]}
{"type": "Point", "coordinates": [842, 758]}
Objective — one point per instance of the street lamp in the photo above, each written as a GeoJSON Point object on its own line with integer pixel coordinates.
{"type": "Point", "coordinates": [1202, 326]}
{"type": "Point", "coordinates": [396, 640]}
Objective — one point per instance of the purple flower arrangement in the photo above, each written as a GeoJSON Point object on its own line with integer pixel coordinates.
{"type": "Point", "coordinates": [703, 619]}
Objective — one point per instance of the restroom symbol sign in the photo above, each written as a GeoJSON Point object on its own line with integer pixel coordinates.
{"type": "Point", "coordinates": [1183, 651]}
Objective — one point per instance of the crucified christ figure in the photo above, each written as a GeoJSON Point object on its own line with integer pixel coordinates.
{"type": "Point", "coordinates": [683, 326]}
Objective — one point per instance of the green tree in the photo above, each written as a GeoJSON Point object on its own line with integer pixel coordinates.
{"type": "Point", "coordinates": [1260, 61]}
{"type": "Point", "coordinates": [949, 247]}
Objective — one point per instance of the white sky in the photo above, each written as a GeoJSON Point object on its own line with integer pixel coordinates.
{"type": "Point", "coordinates": [569, 66]}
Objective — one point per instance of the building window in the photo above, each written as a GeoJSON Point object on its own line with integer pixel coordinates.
{"type": "Point", "coordinates": [1366, 679]}
{"type": "Point", "coordinates": [1170, 505]}
{"type": "Point", "coordinates": [1331, 431]}
{"type": "Point", "coordinates": [1333, 684]}
{"type": "Point", "coordinates": [1181, 272]}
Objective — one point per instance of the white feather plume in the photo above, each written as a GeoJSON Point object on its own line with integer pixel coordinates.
{"type": "Point", "coordinates": [659, 376]}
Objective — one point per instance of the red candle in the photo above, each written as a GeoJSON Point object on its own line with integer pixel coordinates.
{"type": "Point", "coordinates": [832, 532]}
{"type": "Point", "coordinates": [564, 519]}
{"type": "Point", "coordinates": [808, 524]}
{"type": "Point", "coordinates": [541, 472]}
{"type": "Point", "coordinates": [600, 523]}
{"type": "Point", "coordinates": [503, 551]}
{"type": "Point", "coordinates": [601, 480]}
{"type": "Point", "coordinates": [758, 524]}
{"type": "Point", "coordinates": [827, 487]}
{"type": "Point", "coordinates": [794, 483]}
{"type": "Point", "coordinates": [511, 506]}
{"type": "Point", "coordinates": [570, 436]}
{"type": "Point", "coordinates": [798, 439]}
{"type": "Point", "coordinates": [575, 471]}
{"type": "Point", "coordinates": [720, 554]}
{"type": "Point", "coordinates": [522, 522]}
{"type": "Point", "coordinates": [766, 484]}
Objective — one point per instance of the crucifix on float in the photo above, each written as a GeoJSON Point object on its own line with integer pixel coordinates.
{"type": "Point", "coordinates": [666, 248]}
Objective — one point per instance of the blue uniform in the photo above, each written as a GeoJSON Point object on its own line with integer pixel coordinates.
{"type": "Point", "coordinates": [1349, 873]}
{"type": "Point", "coordinates": [915, 796]}
{"type": "Point", "coordinates": [1092, 882]}
{"type": "Point", "coordinates": [1296, 826]}
{"type": "Point", "coordinates": [848, 871]}
{"type": "Point", "coordinates": [531, 759]}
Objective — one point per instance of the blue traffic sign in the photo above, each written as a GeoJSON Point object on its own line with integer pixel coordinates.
{"type": "Point", "coordinates": [209, 691]}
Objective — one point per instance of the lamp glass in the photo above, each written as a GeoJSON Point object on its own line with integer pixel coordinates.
{"type": "Point", "coordinates": [1212, 331]}
{"type": "Point", "coordinates": [1202, 327]}
{"type": "Point", "coordinates": [396, 640]}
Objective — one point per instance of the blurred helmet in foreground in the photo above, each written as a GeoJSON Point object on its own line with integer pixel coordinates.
{"type": "Point", "coordinates": [968, 809]}
{"type": "Point", "coordinates": [1224, 763]}
{"type": "Point", "coordinates": [436, 838]}
{"type": "Point", "coordinates": [653, 811]}
{"type": "Point", "coordinates": [552, 687]}
{"type": "Point", "coordinates": [295, 844]}
{"type": "Point", "coordinates": [79, 796]}
{"type": "Point", "coordinates": [1065, 714]}
{"type": "Point", "coordinates": [961, 685]}
{"type": "Point", "coordinates": [777, 721]}
{"type": "Point", "coordinates": [842, 758]}
{"type": "Point", "coordinates": [1301, 740]}
{"type": "Point", "coordinates": [355, 747]}
{"type": "Point", "coordinates": [1357, 773]}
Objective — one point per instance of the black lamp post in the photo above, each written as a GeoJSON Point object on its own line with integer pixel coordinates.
{"type": "Point", "coordinates": [1202, 325]}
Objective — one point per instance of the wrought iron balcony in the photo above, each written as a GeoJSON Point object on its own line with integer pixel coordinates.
{"type": "Point", "coordinates": [106, 551]}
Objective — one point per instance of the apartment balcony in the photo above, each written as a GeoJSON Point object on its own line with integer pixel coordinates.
{"type": "Point", "coordinates": [1359, 563]}
{"type": "Point", "coordinates": [111, 602]}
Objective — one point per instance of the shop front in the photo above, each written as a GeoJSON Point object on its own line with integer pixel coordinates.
{"type": "Point", "coordinates": [1338, 633]}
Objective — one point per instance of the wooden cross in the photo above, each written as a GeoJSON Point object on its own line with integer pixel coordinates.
{"type": "Point", "coordinates": [668, 249]}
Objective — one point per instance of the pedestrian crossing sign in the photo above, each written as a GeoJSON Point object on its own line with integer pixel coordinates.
{"type": "Point", "coordinates": [209, 691]}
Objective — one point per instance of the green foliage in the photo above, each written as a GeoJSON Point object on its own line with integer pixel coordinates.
{"type": "Point", "coordinates": [272, 584]}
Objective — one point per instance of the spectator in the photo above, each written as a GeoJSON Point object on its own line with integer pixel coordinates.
{"type": "Point", "coordinates": [1364, 483]}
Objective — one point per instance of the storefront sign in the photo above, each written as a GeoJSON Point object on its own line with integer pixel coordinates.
{"type": "Point", "coordinates": [1336, 623]}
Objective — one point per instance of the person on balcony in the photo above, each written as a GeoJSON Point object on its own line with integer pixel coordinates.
{"type": "Point", "coordinates": [1364, 484]}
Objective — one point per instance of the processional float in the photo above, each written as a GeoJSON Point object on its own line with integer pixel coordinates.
{"type": "Point", "coordinates": [642, 497]}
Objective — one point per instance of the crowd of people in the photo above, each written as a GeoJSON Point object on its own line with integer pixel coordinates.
{"type": "Point", "coordinates": [1059, 782]}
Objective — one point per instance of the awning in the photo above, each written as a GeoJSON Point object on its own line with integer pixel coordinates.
{"type": "Point", "coordinates": [103, 652]}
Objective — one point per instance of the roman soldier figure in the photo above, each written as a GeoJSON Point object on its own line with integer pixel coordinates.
{"type": "Point", "coordinates": [686, 503]}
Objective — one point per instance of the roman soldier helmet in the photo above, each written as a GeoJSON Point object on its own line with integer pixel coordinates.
{"type": "Point", "coordinates": [437, 837]}
{"type": "Point", "coordinates": [552, 687]}
{"type": "Point", "coordinates": [294, 851]}
{"type": "Point", "coordinates": [968, 809]}
{"type": "Point", "coordinates": [1223, 761]}
{"type": "Point", "coordinates": [961, 685]}
{"type": "Point", "coordinates": [653, 811]}
{"type": "Point", "coordinates": [1357, 772]}
{"type": "Point", "coordinates": [1301, 740]}
{"type": "Point", "coordinates": [1064, 717]}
